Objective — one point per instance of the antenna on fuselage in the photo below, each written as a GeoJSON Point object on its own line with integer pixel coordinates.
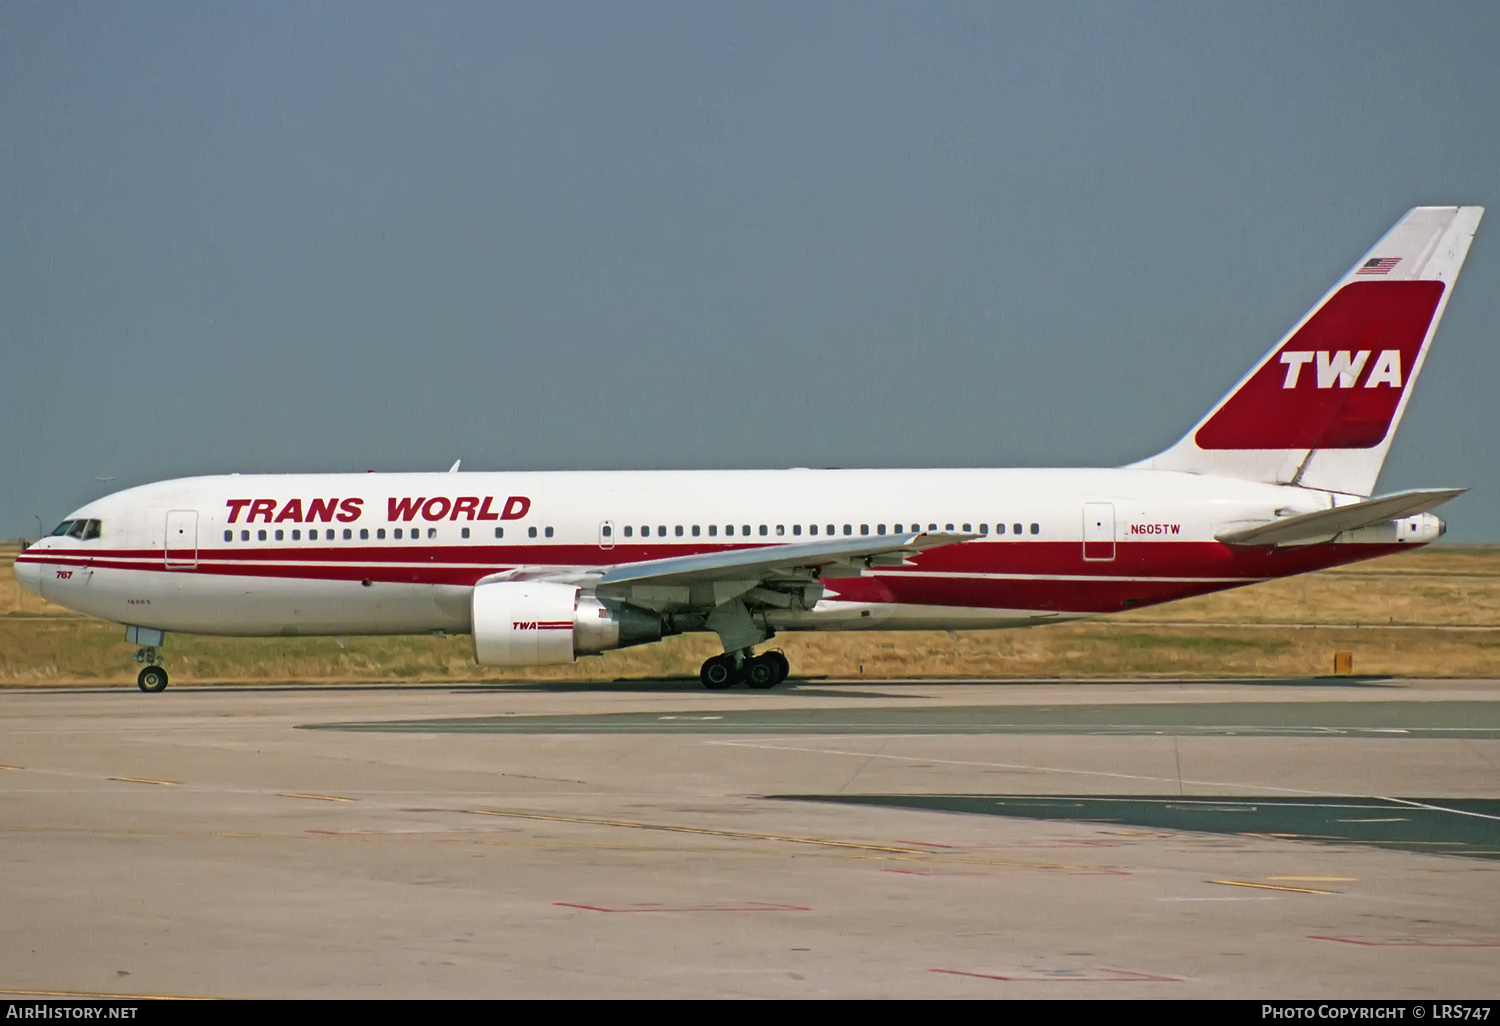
{"type": "Point", "coordinates": [454, 469]}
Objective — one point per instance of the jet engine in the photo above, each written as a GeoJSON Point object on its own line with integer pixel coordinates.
{"type": "Point", "coordinates": [539, 623]}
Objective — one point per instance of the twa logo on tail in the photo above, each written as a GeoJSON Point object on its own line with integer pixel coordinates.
{"type": "Point", "coordinates": [1343, 369]}
{"type": "Point", "coordinates": [1336, 383]}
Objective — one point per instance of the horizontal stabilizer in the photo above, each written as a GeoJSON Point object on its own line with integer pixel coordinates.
{"type": "Point", "coordinates": [1325, 523]}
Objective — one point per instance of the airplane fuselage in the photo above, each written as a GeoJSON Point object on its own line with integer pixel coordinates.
{"type": "Point", "coordinates": [1277, 479]}
{"type": "Point", "coordinates": [258, 555]}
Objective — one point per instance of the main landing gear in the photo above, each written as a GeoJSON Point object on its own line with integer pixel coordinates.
{"type": "Point", "coordinates": [763, 671]}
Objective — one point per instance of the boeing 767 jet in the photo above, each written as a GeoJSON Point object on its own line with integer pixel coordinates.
{"type": "Point", "coordinates": [1277, 479]}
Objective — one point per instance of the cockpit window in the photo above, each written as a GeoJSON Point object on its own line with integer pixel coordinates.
{"type": "Point", "coordinates": [62, 528]}
{"type": "Point", "coordinates": [93, 530]}
{"type": "Point", "coordinates": [76, 531]}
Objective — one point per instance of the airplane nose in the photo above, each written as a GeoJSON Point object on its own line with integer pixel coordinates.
{"type": "Point", "coordinates": [29, 575]}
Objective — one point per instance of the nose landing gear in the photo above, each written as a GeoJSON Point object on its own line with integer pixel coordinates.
{"type": "Point", "coordinates": [760, 672]}
{"type": "Point", "coordinates": [152, 679]}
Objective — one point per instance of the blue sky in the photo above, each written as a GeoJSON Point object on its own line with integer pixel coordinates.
{"type": "Point", "coordinates": [300, 237]}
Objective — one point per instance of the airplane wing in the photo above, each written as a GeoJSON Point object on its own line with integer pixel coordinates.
{"type": "Point", "coordinates": [774, 572]}
{"type": "Point", "coordinates": [777, 573]}
{"type": "Point", "coordinates": [1323, 524]}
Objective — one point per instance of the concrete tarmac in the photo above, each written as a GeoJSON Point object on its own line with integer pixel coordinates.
{"type": "Point", "coordinates": [1264, 839]}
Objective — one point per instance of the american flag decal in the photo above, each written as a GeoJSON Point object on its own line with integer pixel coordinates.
{"type": "Point", "coordinates": [1379, 265]}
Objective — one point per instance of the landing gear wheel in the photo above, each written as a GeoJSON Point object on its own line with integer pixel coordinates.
{"type": "Point", "coordinates": [764, 671]}
{"type": "Point", "coordinates": [784, 668]}
{"type": "Point", "coordinates": [152, 679]}
{"type": "Point", "coordinates": [718, 673]}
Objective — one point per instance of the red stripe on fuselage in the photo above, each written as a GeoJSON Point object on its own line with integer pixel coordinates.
{"type": "Point", "coordinates": [1055, 575]}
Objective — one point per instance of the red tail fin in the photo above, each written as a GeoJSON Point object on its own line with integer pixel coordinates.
{"type": "Point", "coordinates": [1321, 407]}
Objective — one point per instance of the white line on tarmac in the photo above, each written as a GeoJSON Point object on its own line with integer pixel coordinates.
{"type": "Point", "coordinates": [1097, 773]}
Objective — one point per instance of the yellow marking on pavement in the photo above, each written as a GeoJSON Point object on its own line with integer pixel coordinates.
{"type": "Point", "coordinates": [146, 780]}
{"type": "Point", "coordinates": [870, 853]}
{"type": "Point", "coordinates": [744, 835]}
{"type": "Point", "coordinates": [1397, 819]}
{"type": "Point", "coordinates": [314, 797]}
{"type": "Point", "coordinates": [1271, 887]}
{"type": "Point", "coordinates": [100, 995]}
{"type": "Point", "coordinates": [1315, 879]}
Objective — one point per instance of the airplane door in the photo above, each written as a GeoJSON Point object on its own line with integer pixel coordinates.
{"type": "Point", "coordinates": [182, 538]}
{"type": "Point", "coordinates": [606, 534]}
{"type": "Point", "coordinates": [1098, 531]}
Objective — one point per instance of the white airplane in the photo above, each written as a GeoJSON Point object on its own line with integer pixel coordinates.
{"type": "Point", "coordinates": [542, 568]}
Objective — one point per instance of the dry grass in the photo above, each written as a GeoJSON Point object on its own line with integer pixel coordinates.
{"type": "Point", "coordinates": [1433, 613]}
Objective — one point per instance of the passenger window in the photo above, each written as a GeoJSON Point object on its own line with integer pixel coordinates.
{"type": "Point", "coordinates": [812, 529]}
{"type": "Point", "coordinates": [968, 529]}
{"type": "Point", "coordinates": [645, 532]}
{"type": "Point", "coordinates": [999, 528]}
{"type": "Point", "coordinates": [548, 532]}
{"type": "Point", "coordinates": [745, 530]}
{"type": "Point", "coordinates": [379, 533]}
{"type": "Point", "coordinates": [531, 532]}
{"type": "Point", "coordinates": [499, 532]}
{"type": "Point", "coordinates": [728, 529]}
{"type": "Point", "coordinates": [949, 527]}
{"type": "Point", "coordinates": [848, 528]}
{"type": "Point", "coordinates": [880, 529]}
{"type": "Point", "coordinates": [229, 536]}
{"type": "Point", "coordinates": [830, 530]}
{"type": "Point", "coordinates": [244, 536]}
{"type": "Point", "coordinates": [1015, 528]}
{"type": "Point", "coordinates": [432, 532]}
{"type": "Point", "coordinates": [398, 534]}
{"type": "Point", "coordinates": [463, 533]}
{"type": "Point", "coordinates": [606, 531]}
{"type": "Point", "coordinates": [364, 534]}
{"type": "Point", "coordinates": [864, 528]}
{"type": "Point", "coordinates": [695, 530]}
{"type": "Point", "coordinates": [796, 529]}
{"type": "Point", "coordinates": [661, 530]}
{"type": "Point", "coordinates": [1036, 528]}
{"type": "Point", "coordinates": [296, 536]}
{"type": "Point", "coordinates": [763, 531]}
{"type": "Point", "coordinates": [984, 529]}
{"type": "Point", "coordinates": [780, 530]}
{"type": "Point", "coordinates": [713, 530]}
{"type": "Point", "coordinates": [348, 533]}
{"type": "Point", "coordinates": [629, 531]}
{"type": "Point", "coordinates": [677, 530]}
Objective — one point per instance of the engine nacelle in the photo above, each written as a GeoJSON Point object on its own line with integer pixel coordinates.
{"type": "Point", "coordinates": [541, 623]}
